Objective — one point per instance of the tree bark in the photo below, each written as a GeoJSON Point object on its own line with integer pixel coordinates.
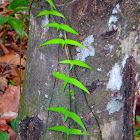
{"type": "Point", "coordinates": [110, 29]}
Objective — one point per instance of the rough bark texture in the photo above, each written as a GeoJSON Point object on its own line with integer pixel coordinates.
{"type": "Point", "coordinates": [110, 29]}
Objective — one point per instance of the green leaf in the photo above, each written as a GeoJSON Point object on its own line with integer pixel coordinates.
{"type": "Point", "coordinates": [3, 20]}
{"type": "Point", "coordinates": [73, 42]}
{"type": "Point", "coordinates": [63, 42]}
{"type": "Point", "coordinates": [68, 131]}
{"type": "Point", "coordinates": [137, 128]}
{"type": "Point", "coordinates": [17, 3]}
{"type": "Point", "coordinates": [4, 136]}
{"type": "Point", "coordinates": [51, 3]}
{"type": "Point", "coordinates": [17, 26]}
{"type": "Point", "coordinates": [68, 29]}
{"type": "Point", "coordinates": [77, 132]}
{"type": "Point", "coordinates": [12, 83]}
{"type": "Point", "coordinates": [75, 62]}
{"type": "Point", "coordinates": [52, 12]}
{"type": "Point", "coordinates": [70, 80]}
{"type": "Point", "coordinates": [54, 41]}
{"type": "Point", "coordinates": [53, 25]}
{"type": "Point", "coordinates": [138, 118]}
{"type": "Point", "coordinates": [137, 133]}
{"type": "Point", "coordinates": [14, 124]}
{"type": "Point", "coordinates": [62, 26]}
{"type": "Point", "coordinates": [67, 114]}
{"type": "Point", "coordinates": [56, 13]}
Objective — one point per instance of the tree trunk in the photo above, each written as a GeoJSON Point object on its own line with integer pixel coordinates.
{"type": "Point", "coordinates": [110, 30]}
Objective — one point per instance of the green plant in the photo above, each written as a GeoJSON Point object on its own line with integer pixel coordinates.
{"type": "Point", "coordinates": [16, 24]}
{"type": "Point", "coordinates": [61, 26]}
{"type": "Point", "coordinates": [4, 136]}
{"type": "Point", "coordinates": [67, 114]}
{"type": "Point", "coordinates": [62, 76]}
{"type": "Point", "coordinates": [14, 124]}
{"type": "Point", "coordinates": [75, 62]}
{"type": "Point", "coordinates": [51, 12]}
{"type": "Point", "coordinates": [70, 80]}
{"type": "Point", "coordinates": [68, 131]}
{"type": "Point", "coordinates": [137, 129]}
{"type": "Point", "coordinates": [11, 82]}
{"type": "Point", "coordinates": [63, 42]}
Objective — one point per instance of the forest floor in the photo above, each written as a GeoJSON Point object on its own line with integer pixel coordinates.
{"type": "Point", "coordinates": [12, 70]}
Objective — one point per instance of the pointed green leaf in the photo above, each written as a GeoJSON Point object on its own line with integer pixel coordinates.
{"type": "Point", "coordinates": [78, 84]}
{"type": "Point", "coordinates": [63, 42]}
{"type": "Point", "coordinates": [73, 42]}
{"type": "Point", "coordinates": [68, 29]}
{"type": "Point", "coordinates": [12, 83]}
{"type": "Point", "coordinates": [75, 62]}
{"type": "Point", "coordinates": [77, 132]}
{"type": "Point", "coordinates": [138, 118]}
{"type": "Point", "coordinates": [3, 19]}
{"type": "Point", "coordinates": [53, 41]}
{"type": "Point", "coordinates": [66, 61]}
{"type": "Point", "coordinates": [52, 25]}
{"type": "Point", "coordinates": [53, 12]}
{"type": "Point", "coordinates": [51, 3]}
{"type": "Point", "coordinates": [81, 63]}
{"type": "Point", "coordinates": [45, 12]}
{"type": "Point", "coordinates": [67, 114]}
{"type": "Point", "coordinates": [77, 119]}
{"type": "Point", "coordinates": [58, 109]}
{"type": "Point", "coordinates": [70, 80]}
{"type": "Point", "coordinates": [60, 128]}
{"type": "Point", "coordinates": [60, 76]}
{"type": "Point", "coordinates": [68, 131]}
{"type": "Point", "coordinates": [62, 26]}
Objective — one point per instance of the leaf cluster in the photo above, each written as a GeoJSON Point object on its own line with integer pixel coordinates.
{"type": "Point", "coordinates": [16, 24]}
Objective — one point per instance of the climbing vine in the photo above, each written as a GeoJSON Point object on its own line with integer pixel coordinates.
{"type": "Point", "coordinates": [65, 42]}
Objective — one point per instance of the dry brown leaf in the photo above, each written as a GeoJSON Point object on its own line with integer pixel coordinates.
{"type": "Point", "coordinates": [5, 50]}
{"type": "Point", "coordinates": [10, 99]}
{"type": "Point", "coordinates": [3, 127]}
{"type": "Point", "coordinates": [12, 58]}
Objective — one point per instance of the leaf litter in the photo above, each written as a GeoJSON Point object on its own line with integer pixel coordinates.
{"type": "Point", "coordinates": [10, 72]}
